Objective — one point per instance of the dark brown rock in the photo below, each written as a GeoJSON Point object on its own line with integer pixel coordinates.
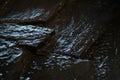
{"type": "Point", "coordinates": [61, 67]}
{"type": "Point", "coordinates": [13, 60]}
{"type": "Point", "coordinates": [24, 11]}
{"type": "Point", "coordinates": [79, 24]}
{"type": "Point", "coordinates": [10, 56]}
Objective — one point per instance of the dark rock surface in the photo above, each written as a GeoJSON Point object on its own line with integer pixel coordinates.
{"type": "Point", "coordinates": [58, 66]}
{"type": "Point", "coordinates": [25, 34]}
{"type": "Point", "coordinates": [82, 29]}
{"type": "Point", "coordinates": [76, 38]}
{"type": "Point", "coordinates": [13, 62]}
{"type": "Point", "coordinates": [14, 40]}
{"type": "Point", "coordinates": [63, 69]}
{"type": "Point", "coordinates": [8, 51]}
{"type": "Point", "coordinates": [79, 24]}
{"type": "Point", "coordinates": [105, 53]}
{"type": "Point", "coordinates": [32, 11]}
{"type": "Point", "coordinates": [10, 55]}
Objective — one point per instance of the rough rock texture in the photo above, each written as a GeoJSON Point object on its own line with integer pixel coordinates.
{"type": "Point", "coordinates": [12, 54]}
{"type": "Point", "coordinates": [79, 24]}
{"type": "Point", "coordinates": [24, 11]}
{"type": "Point", "coordinates": [25, 34]}
{"type": "Point", "coordinates": [57, 66]}
{"type": "Point", "coordinates": [8, 52]}
{"type": "Point", "coordinates": [75, 38]}
{"type": "Point", "coordinates": [13, 60]}
{"type": "Point", "coordinates": [10, 57]}
{"type": "Point", "coordinates": [62, 68]}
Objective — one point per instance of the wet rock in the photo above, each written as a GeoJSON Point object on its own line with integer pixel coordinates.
{"type": "Point", "coordinates": [76, 37]}
{"type": "Point", "coordinates": [13, 62]}
{"type": "Point", "coordinates": [6, 44]}
{"type": "Point", "coordinates": [114, 56]}
{"type": "Point", "coordinates": [14, 56]}
{"type": "Point", "coordinates": [25, 34]}
{"type": "Point", "coordinates": [9, 63]}
{"type": "Point", "coordinates": [26, 17]}
{"type": "Point", "coordinates": [13, 59]}
{"type": "Point", "coordinates": [4, 6]}
{"type": "Point", "coordinates": [61, 67]}
{"type": "Point", "coordinates": [104, 53]}
{"type": "Point", "coordinates": [10, 55]}
{"type": "Point", "coordinates": [24, 11]}
{"type": "Point", "coordinates": [73, 73]}
{"type": "Point", "coordinates": [79, 24]}
{"type": "Point", "coordinates": [8, 52]}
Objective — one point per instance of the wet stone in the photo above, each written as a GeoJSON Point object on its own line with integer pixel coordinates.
{"type": "Point", "coordinates": [8, 52]}
{"type": "Point", "coordinates": [4, 44]}
{"type": "Point", "coordinates": [37, 11]}
{"type": "Point", "coordinates": [11, 65]}
{"type": "Point", "coordinates": [9, 55]}
{"type": "Point", "coordinates": [79, 24]}
{"type": "Point", "coordinates": [102, 52]}
{"type": "Point", "coordinates": [25, 34]}
{"type": "Point", "coordinates": [59, 66]}
{"type": "Point", "coordinates": [75, 38]}
{"type": "Point", "coordinates": [13, 59]}
{"type": "Point", "coordinates": [28, 16]}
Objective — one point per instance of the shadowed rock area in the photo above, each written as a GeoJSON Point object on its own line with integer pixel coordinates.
{"type": "Point", "coordinates": [32, 11]}
{"type": "Point", "coordinates": [59, 39]}
{"type": "Point", "coordinates": [79, 24]}
{"type": "Point", "coordinates": [8, 51]}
